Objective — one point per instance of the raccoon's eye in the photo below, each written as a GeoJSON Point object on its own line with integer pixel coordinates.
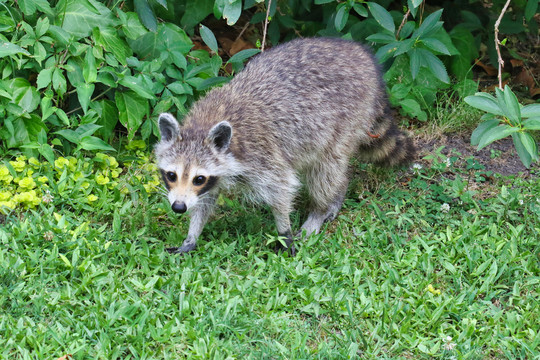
{"type": "Point", "coordinates": [199, 180]}
{"type": "Point", "coordinates": [171, 176]}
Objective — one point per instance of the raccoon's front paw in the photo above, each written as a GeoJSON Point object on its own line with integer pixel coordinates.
{"type": "Point", "coordinates": [182, 249]}
{"type": "Point", "coordinates": [280, 248]}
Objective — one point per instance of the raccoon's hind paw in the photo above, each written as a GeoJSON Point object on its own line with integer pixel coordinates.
{"type": "Point", "coordinates": [280, 248]}
{"type": "Point", "coordinates": [182, 249]}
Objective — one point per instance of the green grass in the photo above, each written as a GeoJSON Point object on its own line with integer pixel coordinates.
{"type": "Point", "coordinates": [392, 278]}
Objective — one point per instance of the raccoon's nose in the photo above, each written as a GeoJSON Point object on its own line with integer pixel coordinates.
{"type": "Point", "coordinates": [179, 207]}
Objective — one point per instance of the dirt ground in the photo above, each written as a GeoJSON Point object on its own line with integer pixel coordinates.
{"type": "Point", "coordinates": [500, 157]}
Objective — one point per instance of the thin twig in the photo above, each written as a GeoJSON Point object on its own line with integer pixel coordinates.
{"type": "Point", "coordinates": [497, 42]}
{"type": "Point", "coordinates": [403, 23]}
{"type": "Point", "coordinates": [242, 32]}
{"type": "Point", "coordinates": [266, 23]}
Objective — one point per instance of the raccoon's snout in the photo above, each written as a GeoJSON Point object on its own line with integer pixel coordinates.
{"type": "Point", "coordinates": [179, 207]}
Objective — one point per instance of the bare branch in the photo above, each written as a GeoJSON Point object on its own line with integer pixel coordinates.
{"type": "Point", "coordinates": [266, 24]}
{"type": "Point", "coordinates": [497, 42]}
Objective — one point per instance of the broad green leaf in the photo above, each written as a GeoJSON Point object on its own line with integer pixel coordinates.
{"type": "Point", "coordinates": [80, 17]}
{"type": "Point", "coordinates": [485, 102]}
{"type": "Point", "coordinates": [360, 9]}
{"type": "Point", "coordinates": [219, 6]}
{"type": "Point", "coordinates": [131, 24]}
{"type": "Point", "coordinates": [481, 129]}
{"type": "Point", "coordinates": [531, 110]}
{"type": "Point", "coordinates": [416, 62]}
{"type": "Point", "coordinates": [89, 69]}
{"type": "Point", "coordinates": [61, 36]}
{"type": "Point", "coordinates": [47, 152]}
{"type": "Point", "coordinates": [412, 108]}
{"type": "Point", "coordinates": [27, 98]}
{"type": "Point", "coordinates": [435, 45]}
{"type": "Point", "coordinates": [494, 134]}
{"type": "Point", "coordinates": [211, 82]}
{"type": "Point", "coordinates": [429, 25]}
{"type": "Point", "coordinates": [143, 9]}
{"type": "Point", "coordinates": [7, 48]}
{"type": "Point", "coordinates": [243, 55]}
{"type": "Point", "coordinates": [196, 11]}
{"type": "Point", "coordinates": [46, 108]}
{"type": "Point", "coordinates": [319, 2]}
{"type": "Point", "coordinates": [382, 16]}
{"type": "Point", "coordinates": [179, 88]}
{"type": "Point", "coordinates": [84, 93]}
{"type": "Point", "coordinates": [42, 26]}
{"type": "Point", "coordinates": [342, 15]}
{"type": "Point", "coordinates": [94, 143]}
{"type": "Point", "coordinates": [524, 155]}
{"type": "Point", "coordinates": [232, 11]}
{"type": "Point", "coordinates": [109, 39]}
{"type": "Point", "coordinates": [532, 123]}
{"type": "Point", "coordinates": [169, 39]}
{"type": "Point", "coordinates": [29, 7]}
{"type": "Point", "coordinates": [386, 52]}
{"type": "Point", "coordinates": [434, 64]}
{"type": "Point", "coordinates": [382, 38]}
{"type": "Point", "coordinates": [512, 104]}
{"type": "Point", "coordinates": [530, 9]}
{"type": "Point", "coordinates": [44, 78]}
{"type": "Point", "coordinates": [208, 38]}
{"type": "Point", "coordinates": [529, 144]}
{"type": "Point", "coordinates": [87, 129]}
{"type": "Point", "coordinates": [69, 135]}
{"type": "Point", "coordinates": [132, 109]}
{"type": "Point", "coordinates": [404, 46]}
{"type": "Point", "coordinates": [108, 118]}
{"type": "Point", "coordinates": [135, 84]}
{"type": "Point", "coordinates": [59, 81]}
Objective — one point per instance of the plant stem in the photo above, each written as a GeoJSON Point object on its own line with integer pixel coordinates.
{"type": "Point", "coordinates": [266, 23]}
{"type": "Point", "coordinates": [497, 42]}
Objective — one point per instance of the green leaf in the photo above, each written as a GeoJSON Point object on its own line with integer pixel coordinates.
{"type": "Point", "coordinates": [208, 38]}
{"type": "Point", "coordinates": [47, 152]}
{"type": "Point", "coordinates": [481, 129]}
{"type": "Point", "coordinates": [429, 25]}
{"type": "Point", "coordinates": [87, 129]}
{"type": "Point", "coordinates": [132, 109]}
{"type": "Point", "coordinates": [180, 88]}
{"type": "Point", "coordinates": [319, 2]}
{"type": "Point", "coordinates": [211, 82]}
{"type": "Point", "coordinates": [435, 45]}
{"type": "Point", "coordinates": [494, 134]}
{"type": "Point", "coordinates": [80, 17]}
{"type": "Point", "coordinates": [89, 69]}
{"type": "Point", "coordinates": [59, 81]}
{"type": "Point", "coordinates": [412, 108]}
{"type": "Point", "coordinates": [108, 118]}
{"type": "Point", "coordinates": [382, 16]}
{"type": "Point", "coordinates": [531, 110]}
{"type": "Point", "coordinates": [84, 93]}
{"type": "Point", "coordinates": [243, 55]}
{"type": "Point", "coordinates": [485, 102]}
{"type": "Point", "coordinates": [169, 39]}
{"type": "Point", "coordinates": [416, 62]}
{"type": "Point", "coordinates": [131, 24]}
{"type": "Point", "coordinates": [530, 9]}
{"type": "Point", "coordinates": [135, 84]}
{"type": "Point", "coordinates": [434, 64]}
{"type": "Point", "coordinates": [143, 9]}
{"type": "Point", "coordinates": [360, 9]}
{"type": "Point", "coordinates": [532, 123]}
{"type": "Point", "coordinates": [342, 15]}
{"type": "Point", "coordinates": [44, 78]}
{"type": "Point", "coordinates": [529, 144]}
{"type": "Point", "coordinates": [7, 48]}
{"type": "Point", "coordinates": [386, 52]}
{"type": "Point", "coordinates": [404, 46]}
{"type": "Point", "coordinates": [524, 155]}
{"type": "Point", "coordinates": [109, 39]}
{"type": "Point", "coordinates": [512, 104]}
{"type": "Point", "coordinates": [232, 11]}
{"type": "Point", "coordinates": [382, 38]}
{"type": "Point", "coordinates": [94, 143]}
{"type": "Point", "coordinates": [27, 98]}
{"type": "Point", "coordinates": [69, 135]}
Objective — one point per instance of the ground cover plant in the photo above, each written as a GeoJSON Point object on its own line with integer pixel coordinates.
{"type": "Point", "coordinates": [442, 263]}
{"type": "Point", "coordinates": [436, 261]}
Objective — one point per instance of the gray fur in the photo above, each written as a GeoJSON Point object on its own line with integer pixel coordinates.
{"type": "Point", "coordinates": [300, 110]}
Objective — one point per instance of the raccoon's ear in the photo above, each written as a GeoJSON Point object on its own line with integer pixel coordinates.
{"type": "Point", "coordinates": [220, 135]}
{"type": "Point", "coordinates": [168, 127]}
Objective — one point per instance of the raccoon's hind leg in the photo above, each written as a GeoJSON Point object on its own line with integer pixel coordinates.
{"type": "Point", "coordinates": [388, 145]}
{"type": "Point", "coordinates": [199, 216]}
{"type": "Point", "coordinates": [327, 185]}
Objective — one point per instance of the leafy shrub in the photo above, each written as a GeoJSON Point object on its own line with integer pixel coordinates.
{"type": "Point", "coordinates": [505, 116]}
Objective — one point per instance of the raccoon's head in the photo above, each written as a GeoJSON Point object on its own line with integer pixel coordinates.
{"type": "Point", "coordinates": [193, 161]}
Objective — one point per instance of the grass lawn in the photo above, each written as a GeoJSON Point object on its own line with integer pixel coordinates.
{"type": "Point", "coordinates": [435, 262]}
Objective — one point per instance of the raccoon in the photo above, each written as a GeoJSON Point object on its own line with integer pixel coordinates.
{"type": "Point", "coordinates": [296, 114]}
